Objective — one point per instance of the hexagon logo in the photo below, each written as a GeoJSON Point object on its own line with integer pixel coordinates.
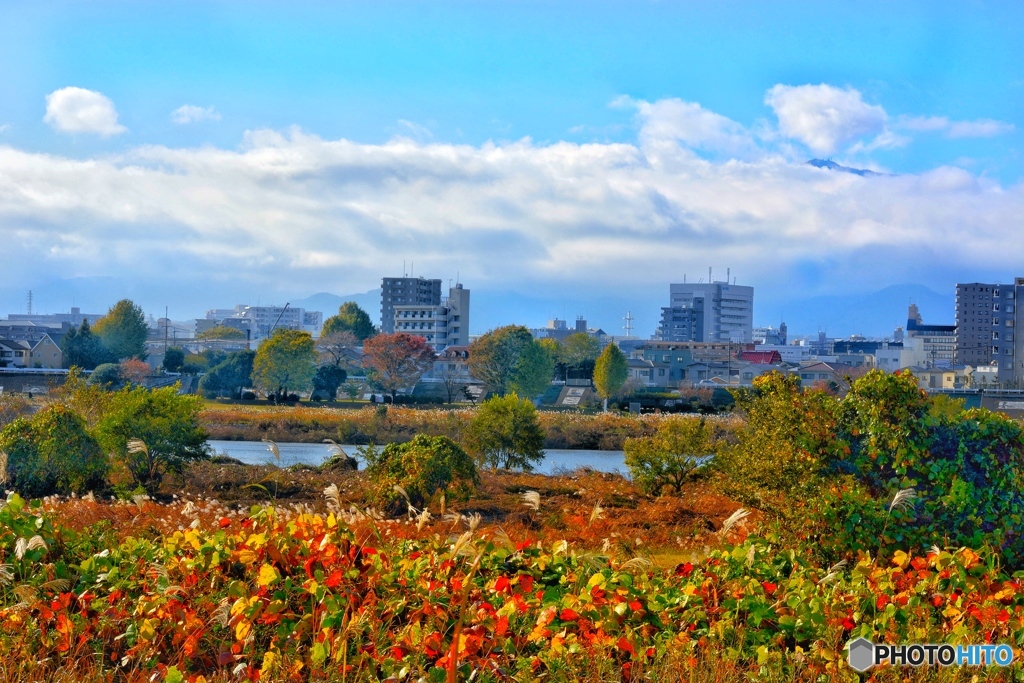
{"type": "Point", "coordinates": [861, 654]}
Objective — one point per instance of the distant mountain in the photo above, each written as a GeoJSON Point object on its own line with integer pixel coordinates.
{"type": "Point", "coordinates": [833, 166]}
{"type": "Point", "coordinates": [328, 303]}
{"type": "Point", "coordinates": [871, 314]}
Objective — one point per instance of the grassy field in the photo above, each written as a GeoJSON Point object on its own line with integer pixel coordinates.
{"type": "Point", "coordinates": [386, 424]}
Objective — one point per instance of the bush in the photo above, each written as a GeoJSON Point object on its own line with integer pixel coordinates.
{"type": "Point", "coordinates": [107, 376]}
{"type": "Point", "coordinates": [248, 396]}
{"type": "Point", "coordinates": [423, 467]}
{"type": "Point", "coordinates": [834, 467]}
{"type": "Point", "coordinates": [52, 453]}
{"type": "Point", "coordinates": [670, 457]}
{"type": "Point", "coordinates": [505, 432]}
{"type": "Point", "coordinates": [784, 445]}
{"type": "Point", "coordinates": [166, 422]}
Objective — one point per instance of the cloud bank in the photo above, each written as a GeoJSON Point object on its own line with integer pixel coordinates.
{"type": "Point", "coordinates": [289, 211]}
{"type": "Point", "coordinates": [77, 110]}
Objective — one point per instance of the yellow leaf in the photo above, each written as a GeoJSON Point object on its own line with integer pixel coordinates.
{"type": "Point", "coordinates": [900, 559]}
{"type": "Point", "coordinates": [247, 556]}
{"type": "Point", "coordinates": [256, 541]}
{"type": "Point", "coordinates": [270, 662]}
{"type": "Point", "coordinates": [147, 629]}
{"type": "Point", "coordinates": [243, 629]}
{"type": "Point", "coordinates": [268, 575]}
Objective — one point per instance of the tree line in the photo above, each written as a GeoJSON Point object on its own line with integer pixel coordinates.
{"type": "Point", "coordinates": [506, 360]}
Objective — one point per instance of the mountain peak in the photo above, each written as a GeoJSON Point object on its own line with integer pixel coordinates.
{"type": "Point", "coordinates": [833, 166]}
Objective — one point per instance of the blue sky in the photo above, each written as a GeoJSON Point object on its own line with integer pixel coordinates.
{"type": "Point", "coordinates": [929, 91]}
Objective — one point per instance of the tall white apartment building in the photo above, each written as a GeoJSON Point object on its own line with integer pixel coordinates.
{"type": "Point", "coordinates": [442, 325]}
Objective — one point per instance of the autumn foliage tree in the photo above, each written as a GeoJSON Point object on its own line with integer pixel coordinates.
{"type": "Point", "coordinates": [399, 360]}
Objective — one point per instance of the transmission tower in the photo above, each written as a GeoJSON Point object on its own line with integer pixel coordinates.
{"type": "Point", "coordinates": [30, 302]}
{"type": "Point", "coordinates": [628, 327]}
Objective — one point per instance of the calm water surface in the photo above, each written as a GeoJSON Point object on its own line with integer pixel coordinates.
{"type": "Point", "coordinates": [257, 453]}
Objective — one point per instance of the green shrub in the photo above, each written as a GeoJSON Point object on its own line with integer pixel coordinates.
{"type": "Point", "coordinates": [423, 467]}
{"type": "Point", "coordinates": [107, 375]}
{"type": "Point", "coordinates": [670, 457]}
{"type": "Point", "coordinates": [166, 422]}
{"type": "Point", "coordinates": [833, 467]}
{"type": "Point", "coordinates": [52, 452]}
{"type": "Point", "coordinates": [784, 445]}
{"type": "Point", "coordinates": [505, 432]}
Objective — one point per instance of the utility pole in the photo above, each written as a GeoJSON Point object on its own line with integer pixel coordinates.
{"type": "Point", "coordinates": [278, 319]}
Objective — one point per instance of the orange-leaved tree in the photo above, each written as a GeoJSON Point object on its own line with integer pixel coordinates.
{"type": "Point", "coordinates": [398, 360]}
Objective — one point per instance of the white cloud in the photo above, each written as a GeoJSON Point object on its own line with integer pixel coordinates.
{"type": "Point", "coordinates": [5, 127]}
{"type": "Point", "coordinates": [77, 110]}
{"type": "Point", "coordinates": [190, 113]}
{"type": "Point", "coordinates": [824, 117]}
{"type": "Point", "coordinates": [289, 209]}
{"type": "Point", "coordinates": [415, 131]}
{"type": "Point", "coordinates": [982, 128]}
{"type": "Point", "coordinates": [688, 123]}
{"type": "Point", "coordinates": [979, 128]}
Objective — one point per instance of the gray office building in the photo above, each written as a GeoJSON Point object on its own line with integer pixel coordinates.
{"type": "Point", "coordinates": [989, 331]}
{"type": "Point", "coordinates": [405, 291]}
{"type": "Point", "coordinates": [726, 311]}
{"type": "Point", "coordinates": [682, 323]}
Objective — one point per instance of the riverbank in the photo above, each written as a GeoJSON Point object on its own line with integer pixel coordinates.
{"type": "Point", "coordinates": [389, 424]}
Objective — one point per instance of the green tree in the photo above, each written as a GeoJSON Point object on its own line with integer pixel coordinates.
{"type": "Point", "coordinates": [508, 359]}
{"type": "Point", "coordinates": [423, 467]}
{"type": "Point", "coordinates": [221, 332]}
{"type": "Point", "coordinates": [350, 318]}
{"type": "Point", "coordinates": [123, 331]}
{"type": "Point", "coordinates": [165, 421]}
{"type": "Point", "coordinates": [107, 376]}
{"type": "Point", "coordinates": [287, 360]}
{"type": "Point", "coordinates": [83, 349]}
{"type": "Point", "coordinates": [52, 452]}
{"type": "Point", "coordinates": [398, 360]}
{"type": "Point", "coordinates": [506, 433]}
{"type": "Point", "coordinates": [231, 376]}
{"type": "Point", "coordinates": [670, 457]}
{"type": "Point", "coordinates": [610, 372]}
{"type": "Point", "coordinates": [327, 380]}
{"type": "Point", "coordinates": [579, 353]}
{"type": "Point", "coordinates": [174, 359]}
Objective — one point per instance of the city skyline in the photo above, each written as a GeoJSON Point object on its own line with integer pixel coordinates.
{"type": "Point", "coordinates": [574, 157]}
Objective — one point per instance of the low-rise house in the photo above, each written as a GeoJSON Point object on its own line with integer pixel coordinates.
{"type": "Point", "coordinates": [46, 353]}
{"type": "Point", "coordinates": [14, 354]}
{"type": "Point", "coordinates": [934, 378]}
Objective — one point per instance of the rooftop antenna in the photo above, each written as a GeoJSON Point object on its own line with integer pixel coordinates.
{"type": "Point", "coordinates": [728, 275]}
{"type": "Point", "coordinates": [629, 324]}
{"type": "Point", "coordinates": [709, 275]}
{"type": "Point", "coordinates": [405, 272]}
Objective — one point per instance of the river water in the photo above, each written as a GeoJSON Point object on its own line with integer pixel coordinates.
{"type": "Point", "coordinates": [258, 453]}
